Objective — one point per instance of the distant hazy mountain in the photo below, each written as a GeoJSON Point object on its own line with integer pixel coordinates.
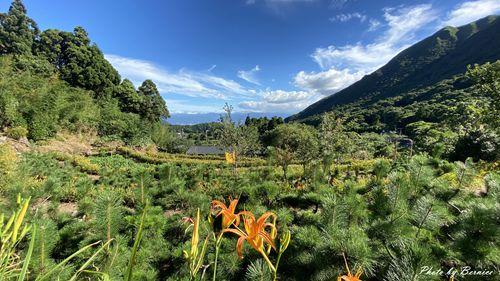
{"type": "Point", "coordinates": [440, 56]}
{"type": "Point", "coordinates": [190, 119]}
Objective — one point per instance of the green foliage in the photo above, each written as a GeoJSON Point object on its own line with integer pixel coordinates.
{"type": "Point", "coordinates": [389, 217]}
{"type": "Point", "coordinates": [8, 159]}
{"type": "Point", "coordinates": [108, 215]}
{"type": "Point", "coordinates": [480, 143]}
{"type": "Point", "coordinates": [125, 126]}
{"type": "Point", "coordinates": [153, 107]}
{"type": "Point", "coordinates": [78, 62]}
{"type": "Point", "coordinates": [264, 127]}
{"type": "Point", "coordinates": [163, 137]}
{"type": "Point", "coordinates": [130, 100]}
{"type": "Point", "coordinates": [379, 220]}
{"type": "Point", "coordinates": [16, 132]}
{"type": "Point", "coordinates": [334, 141]}
{"type": "Point", "coordinates": [33, 64]}
{"type": "Point", "coordinates": [237, 138]}
{"type": "Point", "coordinates": [13, 229]}
{"type": "Point", "coordinates": [294, 142]}
{"type": "Point", "coordinates": [258, 271]}
{"type": "Point", "coordinates": [486, 76]}
{"type": "Point", "coordinates": [53, 106]}
{"type": "Point", "coordinates": [17, 31]}
{"type": "Point", "coordinates": [32, 94]}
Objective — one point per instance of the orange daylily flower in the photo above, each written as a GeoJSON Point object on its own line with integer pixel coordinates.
{"type": "Point", "coordinates": [349, 276]}
{"type": "Point", "coordinates": [228, 215]}
{"type": "Point", "coordinates": [255, 232]}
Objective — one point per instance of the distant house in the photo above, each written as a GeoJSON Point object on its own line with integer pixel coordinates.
{"type": "Point", "coordinates": [206, 150]}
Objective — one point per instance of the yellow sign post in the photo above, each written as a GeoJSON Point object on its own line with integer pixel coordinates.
{"type": "Point", "coordinates": [230, 157]}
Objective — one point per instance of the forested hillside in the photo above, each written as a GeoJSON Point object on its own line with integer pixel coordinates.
{"type": "Point", "coordinates": [428, 94]}
{"type": "Point", "coordinates": [438, 57]}
{"type": "Point", "coordinates": [53, 80]}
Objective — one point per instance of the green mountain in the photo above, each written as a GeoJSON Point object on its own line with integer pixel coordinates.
{"type": "Point", "coordinates": [438, 57]}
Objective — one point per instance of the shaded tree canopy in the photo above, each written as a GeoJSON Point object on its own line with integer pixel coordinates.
{"type": "Point", "coordinates": [130, 100]}
{"type": "Point", "coordinates": [79, 63]}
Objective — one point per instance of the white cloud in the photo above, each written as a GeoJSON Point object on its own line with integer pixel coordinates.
{"type": "Point", "coordinates": [280, 96]}
{"type": "Point", "coordinates": [374, 24]}
{"type": "Point", "coordinates": [280, 101]}
{"type": "Point", "coordinates": [404, 22]}
{"type": "Point", "coordinates": [183, 82]}
{"type": "Point", "coordinates": [250, 75]}
{"type": "Point", "coordinates": [212, 67]}
{"type": "Point", "coordinates": [357, 57]}
{"type": "Point", "coordinates": [326, 82]}
{"type": "Point", "coordinates": [472, 10]}
{"type": "Point", "coordinates": [263, 106]}
{"type": "Point", "coordinates": [401, 25]}
{"type": "Point", "coordinates": [208, 89]}
{"type": "Point", "coordinates": [348, 17]}
{"type": "Point", "coordinates": [344, 65]}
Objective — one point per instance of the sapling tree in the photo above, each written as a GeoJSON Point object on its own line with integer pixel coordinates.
{"type": "Point", "coordinates": [44, 244]}
{"type": "Point", "coordinates": [333, 140]}
{"type": "Point", "coordinates": [237, 138]}
{"type": "Point", "coordinates": [108, 215]}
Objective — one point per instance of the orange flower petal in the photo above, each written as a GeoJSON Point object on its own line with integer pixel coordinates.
{"type": "Point", "coordinates": [268, 239]}
{"type": "Point", "coordinates": [239, 246]}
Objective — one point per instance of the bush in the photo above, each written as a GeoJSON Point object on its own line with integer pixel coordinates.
{"type": "Point", "coordinates": [479, 144]}
{"type": "Point", "coordinates": [36, 65]}
{"type": "Point", "coordinates": [16, 132]}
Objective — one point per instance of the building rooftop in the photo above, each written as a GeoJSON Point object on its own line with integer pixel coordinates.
{"type": "Point", "coordinates": [206, 150]}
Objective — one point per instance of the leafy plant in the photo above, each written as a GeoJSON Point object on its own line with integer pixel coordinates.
{"type": "Point", "coordinates": [16, 132]}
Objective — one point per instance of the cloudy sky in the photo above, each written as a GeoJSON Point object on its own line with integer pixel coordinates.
{"type": "Point", "coordinates": [275, 56]}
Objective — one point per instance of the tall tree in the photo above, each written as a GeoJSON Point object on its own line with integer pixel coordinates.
{"type": "Point", "coordinates": [17, 30]}
{"type": "Point", "coordinates": [130, 100]}
{"type": "Point", "coordinates": [79, 63]}
{"type": "Point", "coordinates": [153, 105]}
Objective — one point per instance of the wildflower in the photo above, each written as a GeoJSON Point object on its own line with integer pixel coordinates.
{"type": "Point", "coordinates": [228, 218]}
{"type": "Point", "coordinates": [255, 233]}
{"type": "Point", "coordinates": [228, 213]}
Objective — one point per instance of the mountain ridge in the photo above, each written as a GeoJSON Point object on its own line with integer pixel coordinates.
{"type": "Point", "coordinates": [440, 56]}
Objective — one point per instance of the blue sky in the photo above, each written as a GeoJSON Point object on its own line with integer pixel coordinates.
{"type": "Point", "coordinates": [274, 56]}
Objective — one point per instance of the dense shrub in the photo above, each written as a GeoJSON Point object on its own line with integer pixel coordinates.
{"type": "Point", "coordinates": [16, 132]}
{"type": "Point", "coordinates": [478, 144]}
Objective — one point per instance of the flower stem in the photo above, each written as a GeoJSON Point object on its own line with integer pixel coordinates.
{"type": "Point", "coordinates": [277, 264]}
{"type": "Point", "coordinates": [271, 266]}
{"type": "Point", "coordinates": [217, 248]}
